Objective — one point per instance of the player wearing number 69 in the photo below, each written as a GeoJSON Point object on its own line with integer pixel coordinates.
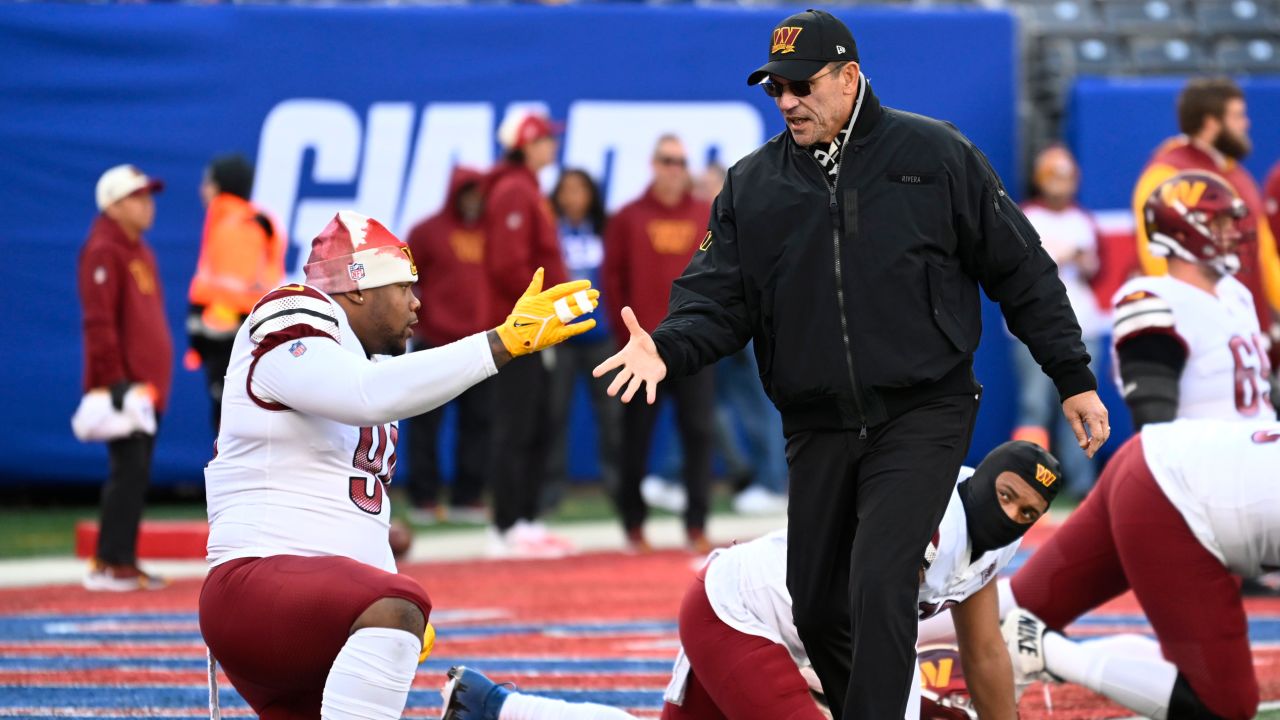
{"type": "Point", "coordinates": [1188, 344]}
{"type": "Point", "coordinates": [303, 607]}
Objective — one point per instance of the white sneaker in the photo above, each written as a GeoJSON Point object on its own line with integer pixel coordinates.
{"type": "Point", "coordinates": [756, 500]}
{"type": "Point", "coordinates": [101, 577]}
{"type": "Point", "coordinates": [524, 540]}
{"type": "Point", "coordinates": [658, 492]}
{"type": "Point", "coordinates": [1024, 636]}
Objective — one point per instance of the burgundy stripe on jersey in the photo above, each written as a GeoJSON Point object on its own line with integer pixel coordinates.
{"type": "Point", "coordinates": [1143, 313]}
{"type": "Point", "coordinates": [283, 309]}
{"type": "Point", "coordinates": [274, 340]}
{"type": "Point", "coordinates": [290, 291]}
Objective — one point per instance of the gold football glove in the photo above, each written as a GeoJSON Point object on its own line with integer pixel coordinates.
{"type": "Point", "coordinates": [428, 643]}
{"type": "Point", "coordinates": [541, 318]}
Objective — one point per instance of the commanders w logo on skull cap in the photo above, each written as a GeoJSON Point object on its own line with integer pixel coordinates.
{"type": "Point", "coordinates": [784, 40]}
{"type": "Point", "coordinates": [1045, 476]}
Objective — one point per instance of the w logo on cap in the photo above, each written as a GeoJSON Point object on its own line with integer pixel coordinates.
{"type": "Point", "coordinates": [784, 40]}
{"type": "Point", "coordinates": [1045, 476]}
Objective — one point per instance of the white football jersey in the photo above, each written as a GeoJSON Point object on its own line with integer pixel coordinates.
{"type": "Point", "coordinates": [747, 583]}
{"type": "Point", "coordinates": [286, 482]}
{"type": "Point", "coordinates": [952, 577]}
{"type": "Point", "coordinates": [1227, 372]}
{"type": "Point", "coordinates": [1224, 479]}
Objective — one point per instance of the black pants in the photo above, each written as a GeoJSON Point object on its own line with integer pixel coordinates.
{"type": "Point", "coordinates": [471, 450]}
{"type": "Point", "coordinates": [572, 361]}
{"type": "Point", "coordinates": [123, 498]}
{"type": "Point", "coordinates": [520, 440]}
{"type": "Point", "coordinates": [215, 356]}
{"type": "Point", "coordinates": [861, 513]}
{"type": "Point", "coordinates": [694, 397]}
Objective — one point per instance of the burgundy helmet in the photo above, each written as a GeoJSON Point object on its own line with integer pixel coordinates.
{"type": "Point", "coordinates": [944, 695]}
{"type": "Point", "coordinates": [1178, 214]}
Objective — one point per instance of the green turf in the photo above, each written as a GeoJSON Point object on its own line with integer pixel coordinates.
{"type": "Point", "coordinates": [32, 531]}
{"type": "Point", "coordinates": [36, 531]}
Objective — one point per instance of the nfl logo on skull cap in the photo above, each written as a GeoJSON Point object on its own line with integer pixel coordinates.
{"type": "Point", "coordinates": [297, 348]}
{"type": "Point", "coordinates": [356, 271]}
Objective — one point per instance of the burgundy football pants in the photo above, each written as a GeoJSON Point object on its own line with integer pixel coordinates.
{"type": "Point", "coordinates": [1128, 535]}
{"type": "Point", "coordinates": [735, 676]}
{"type": "Point", "coordinates": [275, 624]}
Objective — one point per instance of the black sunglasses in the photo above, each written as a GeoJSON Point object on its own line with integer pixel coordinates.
{"type": "Point", "coordinates": [799, 88]}
{"type": "Point", "coordinates": [671, 161]}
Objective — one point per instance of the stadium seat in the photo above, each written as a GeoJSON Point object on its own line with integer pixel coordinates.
{"type": "Point", "coordinates": [1062, 17]}
{"type": "Point", "coordinates": [1163, 17]}
{"type": "Point", "coordinates": [1099, 55]}
{"type": "Point", "coordinates": [1224, 17]}
{"type": "Point", "coordinates": [1248, 55]}
{"type": "Point", "coordinates": [1167, 55]}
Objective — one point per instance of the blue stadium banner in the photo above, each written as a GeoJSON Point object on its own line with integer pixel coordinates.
{"type": "Point", "coordinates": [369, 107]}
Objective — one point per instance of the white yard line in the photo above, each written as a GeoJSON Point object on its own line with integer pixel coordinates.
{"type": "Point", "coordinates": [460, 544]}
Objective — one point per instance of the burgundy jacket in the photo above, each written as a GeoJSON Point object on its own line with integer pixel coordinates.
{"type": "Point", "coordinates": [126, 336]}
{"type": "Point", "coordinates": [520, 237]}
{"type": "Point", "coordinates": [449, 254]}
{"type": "Point", "coordinates": [647, 245]}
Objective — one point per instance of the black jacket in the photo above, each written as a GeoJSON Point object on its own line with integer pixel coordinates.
{"type": "Point", "coordinates": [863, 298]}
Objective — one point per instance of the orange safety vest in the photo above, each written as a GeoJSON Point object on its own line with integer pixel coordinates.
{"type": "Point", "coordinates": [239, 261]}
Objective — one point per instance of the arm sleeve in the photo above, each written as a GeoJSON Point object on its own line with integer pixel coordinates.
{"type": "Point", "coordinates": [1150, 356]}
{"type": "Point", "coordinates": [334, 383]}
{"type": "Point", "coordinates": [509, 246]}
{"type": "Point", "coordinates": [707, 317]}
{"type": "Point", "coordinates": [1150, 367]}
{"type": "Point", "coordinates": [999, 247]}
{"type": "Point", "coordinates": [100, 287]}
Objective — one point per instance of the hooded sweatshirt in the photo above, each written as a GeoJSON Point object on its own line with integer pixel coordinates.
{"type": "Point", "coordinates": [520, 237]}
{"type": "Point", "coordinates": [449, 253]}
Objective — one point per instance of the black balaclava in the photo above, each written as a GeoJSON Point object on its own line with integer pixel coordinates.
{"type": "Point", "coordinates": [989, 526]}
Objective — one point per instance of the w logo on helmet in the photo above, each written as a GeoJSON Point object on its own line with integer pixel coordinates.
{"type": "Point", "coordinates": [784, 40]}
{"type": "Point", "coordinates": [1184, 192]}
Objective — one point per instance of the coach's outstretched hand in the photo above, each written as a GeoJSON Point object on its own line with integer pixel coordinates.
{"type": "Point", "coordinates": [541, 318]}
{"type": "Point", "coordinates": [640, 362]}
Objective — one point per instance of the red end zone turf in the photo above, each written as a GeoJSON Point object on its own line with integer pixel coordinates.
{"type": "Point", "coordinates": [596, 627]}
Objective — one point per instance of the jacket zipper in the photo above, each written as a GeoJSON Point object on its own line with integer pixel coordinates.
{"type": "Point", "coordinates": [1008, 221]}
{"type": "Point", "coordinates": [833, 208]}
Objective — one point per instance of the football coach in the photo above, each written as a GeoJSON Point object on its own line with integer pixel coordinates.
{"type": "Point", "coordinates": [850, 248]}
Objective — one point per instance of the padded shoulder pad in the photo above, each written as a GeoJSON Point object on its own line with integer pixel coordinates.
{"type": "Point", "coordinates": [291, 312]}
{"type": "Point", "coordinates": [1142, 312]}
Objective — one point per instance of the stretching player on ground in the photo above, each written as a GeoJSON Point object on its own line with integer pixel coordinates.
{"type": "Point", "coordinates": [742, 657]}
{"type": "Point", "coordinates": [1181, 511]}
{"type": "Point", "coordinates": [1188, 344]}
{"type": "Point", "coordinates": [303, 607]}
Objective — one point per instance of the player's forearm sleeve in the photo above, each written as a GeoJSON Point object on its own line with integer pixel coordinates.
{"type": "Point", "coordinates": [329, 381]}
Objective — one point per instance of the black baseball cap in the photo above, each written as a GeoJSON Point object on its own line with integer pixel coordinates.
{"type": "Point", "coordinates": [803, 44]}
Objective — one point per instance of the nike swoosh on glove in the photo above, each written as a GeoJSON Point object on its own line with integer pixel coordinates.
{"type": "Point", "coordinates": [542, 318]}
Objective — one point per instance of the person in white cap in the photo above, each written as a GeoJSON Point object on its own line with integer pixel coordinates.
{"type": "Point", "coordinates": [303, 606]}
{"type": "Point", "coordinates": [128, 355]}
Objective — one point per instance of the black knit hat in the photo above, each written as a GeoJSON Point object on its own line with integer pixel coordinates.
{"type": "Point", "coordinates": [232, 174]}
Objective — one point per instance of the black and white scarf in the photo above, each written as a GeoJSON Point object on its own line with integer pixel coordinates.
{"type": "Point", "coordinates": [829, 157]}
